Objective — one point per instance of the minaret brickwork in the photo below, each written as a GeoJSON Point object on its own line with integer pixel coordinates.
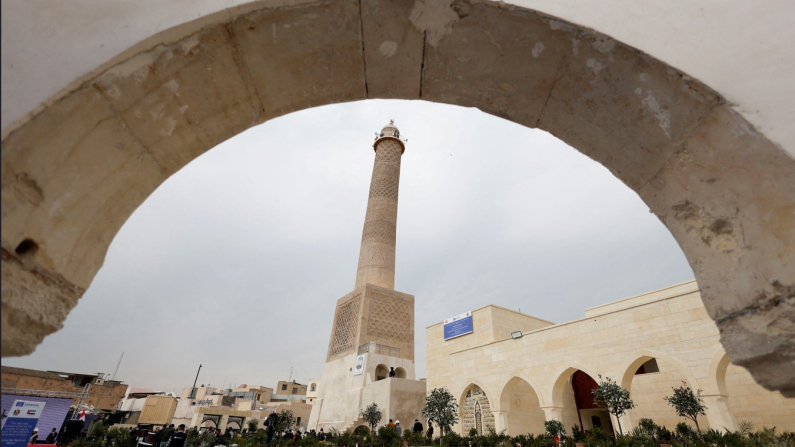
{"type": "Point", "coordinates": [373, 328]}
{"type": "Point", "coordinates": [377, 254]}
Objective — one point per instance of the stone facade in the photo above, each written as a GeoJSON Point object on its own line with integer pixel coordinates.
{"type": "Point", "coordinates": [648, 344]}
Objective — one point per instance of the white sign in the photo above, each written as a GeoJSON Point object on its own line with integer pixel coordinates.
{"type": "Point", "coordinates": [359, 369]}
{"type": "Point", "coordinates": [22, 419]}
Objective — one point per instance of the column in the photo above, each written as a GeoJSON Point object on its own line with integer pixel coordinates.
{"type": "Point", "coordinates": [553, 413]}
{"type": "Point", "coordinates": [500, 420]}
{"type": "Point", "coordinates": [719, 414]}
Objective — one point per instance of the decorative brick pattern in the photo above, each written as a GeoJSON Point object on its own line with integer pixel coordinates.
{"type": "Point", "coordinates": [384, 187]}
{"type": "Point", "coordinates": [379, 231]}
{"type": "Point", "coordinates": [390, 318]}
{"type": "Point", "coordinates": [345, 327]}
{"type": "Point", "coordinates": [388, 152]}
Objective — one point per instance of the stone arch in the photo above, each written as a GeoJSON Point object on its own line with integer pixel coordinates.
{"type": "Point", "coordinates": [128, 127]}
{"type": "Point", "coordinates": [400, 373]}
{"type": "Point", "coordinates": [565, 399]}
{"type": "Point", "coordinates": [716, 373]}
{"type": "Point", "coordinates": [520, 404]}
{"type": "Point", "coordinates": [561, 379]}
{"type": "Point", "coordinates": [645, 355]}
{"type": "Point", "coordinates": [381, 372]}
{"type": "Point", "coordinates": [648, 390]}
{"type": "Point", "coordinates": [475, 410]}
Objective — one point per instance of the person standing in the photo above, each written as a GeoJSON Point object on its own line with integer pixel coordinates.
{"type": "Point", "coordinates": [52, 436]}
{"type": "Point", "coordinates": [165, 435]}
{"type": "Point", "coordinates": [417, 426]}
{"type": "Point", "coordinates": [178, 438]}
{"type": "Point", "coordinates": [429, 434]}
{"type": "Point", "coordinates": [391, 371]}
{"type": "Point", "coordinates": [391, 425]}
{"type": "Point", "coordinates": [399, 429]}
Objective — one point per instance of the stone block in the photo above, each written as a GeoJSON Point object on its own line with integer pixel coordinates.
{"type": "Point", "coordinates": [751, 296]}
{"type": "Point", "coordinates": [303, 56]}
{"type": "Point", "coordinates": [622, 108]}
{"type": "Point", "coordinates": [393, 49]}
{"type": "Point", "coordinates": [71, 178]}
{"type": "Point", "coordinates": [183, 99]}
{"type": "Point", "coordinates": [502, 61]}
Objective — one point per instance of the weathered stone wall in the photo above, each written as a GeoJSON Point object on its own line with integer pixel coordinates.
{"type": "Point", "coordinates": [724, 191]}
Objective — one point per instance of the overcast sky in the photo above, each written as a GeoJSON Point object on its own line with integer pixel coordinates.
{"type": "Point", "coordinates": [237, 261]}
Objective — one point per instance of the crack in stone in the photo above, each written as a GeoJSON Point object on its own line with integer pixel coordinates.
{"type": "Point", "coordinates": [364, 54]}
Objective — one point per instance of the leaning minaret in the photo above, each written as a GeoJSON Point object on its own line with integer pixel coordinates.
{"type": "Point", "coordinates": [377, 255]}
{"type": "Point", "coordinates": [373, 328]}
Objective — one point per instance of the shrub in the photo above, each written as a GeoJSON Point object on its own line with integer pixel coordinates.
{"type": "Point", "coordinates": [555, 428]}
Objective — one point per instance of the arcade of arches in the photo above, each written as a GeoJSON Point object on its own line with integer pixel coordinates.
{"type": "Point", "coordinates": [73, 172]}
{"type": "Point", "coordinates": [648, 344]}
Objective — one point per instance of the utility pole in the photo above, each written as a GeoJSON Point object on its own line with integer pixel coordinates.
{"type": "Point", "coordinates": [291, 375]}
{"type": "Point", "coordinates": [117, 366]}
{"type": "Point", "coordinates": [193, 390]}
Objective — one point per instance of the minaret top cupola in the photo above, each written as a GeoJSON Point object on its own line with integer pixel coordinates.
{"type": "Point", "coordinates": [389, 132]}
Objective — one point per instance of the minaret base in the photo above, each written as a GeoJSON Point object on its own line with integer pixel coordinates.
{"type": "Point", "coordinates": [377, 325]}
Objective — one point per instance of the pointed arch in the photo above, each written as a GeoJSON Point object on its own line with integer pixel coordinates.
{"type": "Point", "coordinates": [716, 373]}
{"type": "Point", "coordinates": [644, 356]}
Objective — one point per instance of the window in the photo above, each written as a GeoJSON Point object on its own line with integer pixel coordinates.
{"type": "Point", "coordinates": [647, 368]}
{"type": "Point", "coordinates": [284, 387]}
{"type": "Point", "coordinates": [295, 390]}
{"type": "Point", "coordinates": [314, 386]}
{"type": "Point", "coordinates": [298, 421]}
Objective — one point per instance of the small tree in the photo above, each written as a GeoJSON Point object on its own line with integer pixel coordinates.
{"type": "Point", "coordinates": [610, 394]}
{"type": "Point", "coordinates": [687, 403]}
{"type": "Point", "coordinates": [284, 420]}
{"type": "Point", "coordinates": [252, 425]}
{"type": "Point", "coordinates": [555, 428]}
{"type": "Point", "coordinates": [371, 415]}
{"type": "Point", "coordinates": [441, 408]}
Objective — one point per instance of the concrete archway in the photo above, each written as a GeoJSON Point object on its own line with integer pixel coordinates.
{"type": "Point", "coordinates": [520, 406]}
{"type": "Point", "coordinates": [75, 172]}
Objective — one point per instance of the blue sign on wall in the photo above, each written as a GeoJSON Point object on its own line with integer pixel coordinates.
{"type": "Point", "coordinates": [20, 421]}
{"type": "Point", "coordinates": [458, 325]}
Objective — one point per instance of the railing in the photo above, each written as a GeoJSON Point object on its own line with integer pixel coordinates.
{"type": "Point", "coordinates": [375, 348]}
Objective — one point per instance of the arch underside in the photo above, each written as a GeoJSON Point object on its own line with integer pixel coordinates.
{"type": "Point", "coordinates": [74, 173]}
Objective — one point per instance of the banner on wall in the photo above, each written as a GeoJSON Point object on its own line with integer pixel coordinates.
{"type": "Point", "coordinates": [358, 370]}
{"type": "Point", "coordinates": [458, 325]}
{"type": "Point", "coordinates": [19, 423]}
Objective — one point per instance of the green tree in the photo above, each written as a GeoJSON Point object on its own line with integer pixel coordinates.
{"type": "Point", "coordinates": [252, 425]}
{"type": "Point", "coordinates": [442, 409]}
{"type": "Point", "coordinates": [610, 394]}
{"type": "Point", "coordinates": [555, 428]}
{"type": "Point", "coordinates": [372, 415]}
{"type": "Point", "coordinates": [687, 403]}
{"type": "Point", "coordinates": [284, 421]}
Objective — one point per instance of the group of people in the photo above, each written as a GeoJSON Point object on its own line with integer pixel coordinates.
{"type": "Point", "coordinates": [416, 429]}
{"type": "Point", "coordinates": [34, 438]}
{"type": "Point", "coordinates": [296, 434]}
{"type": "Point", "coordinates": [168, 436]}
